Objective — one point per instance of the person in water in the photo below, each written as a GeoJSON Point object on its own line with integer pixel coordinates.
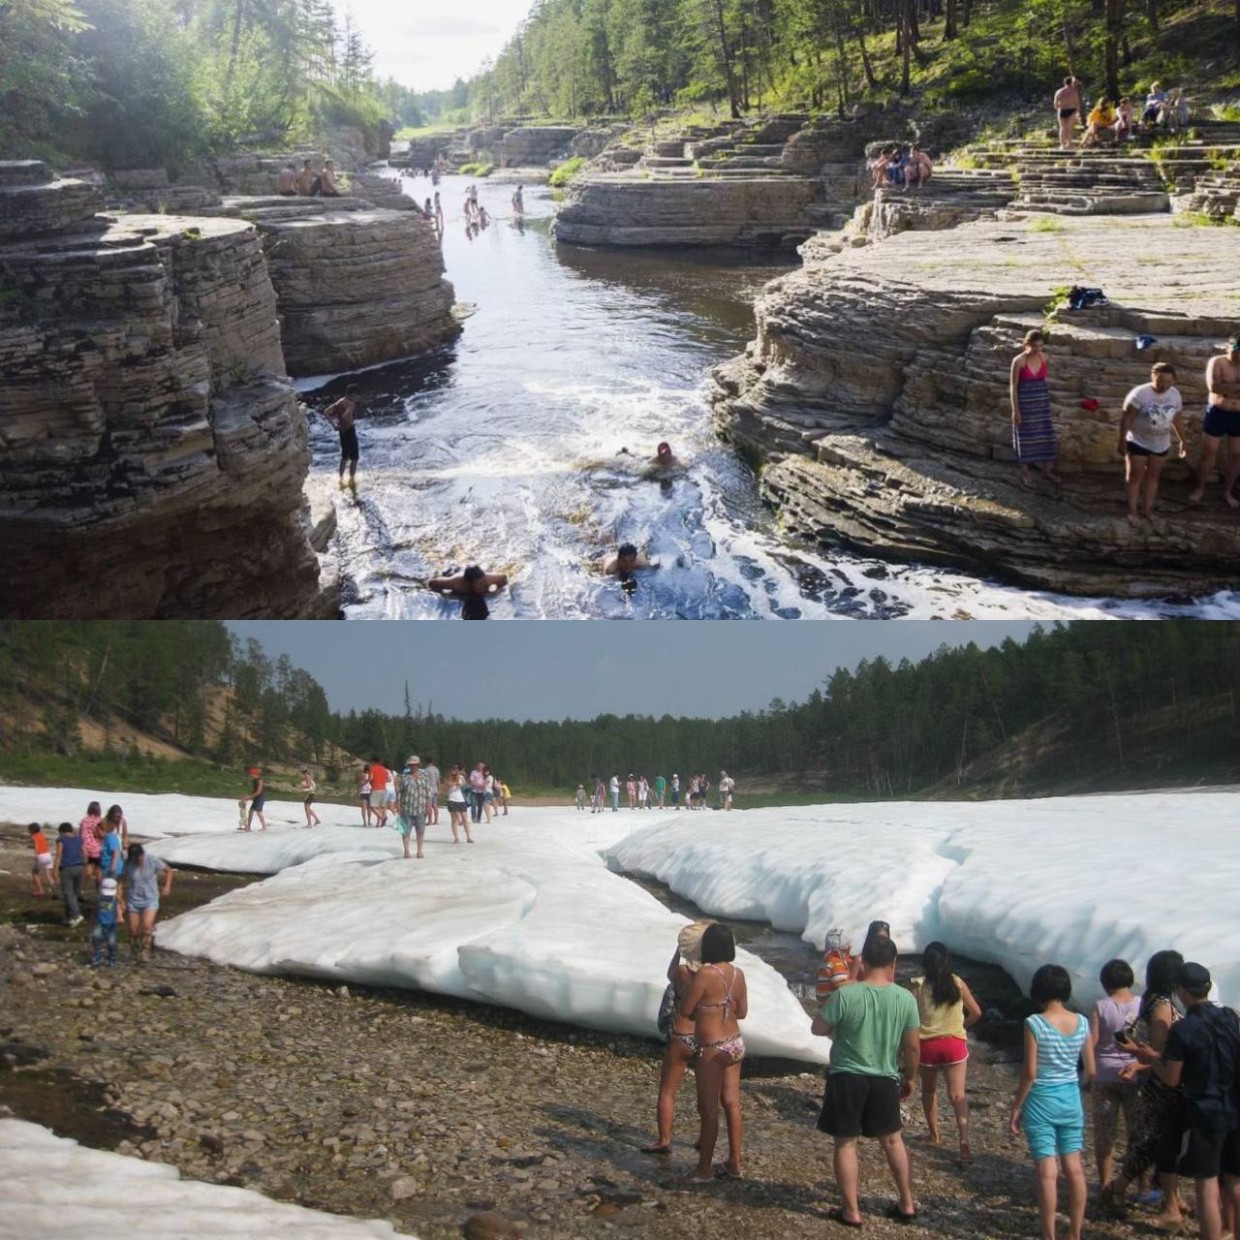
{"type": "Point", "coordinates": [473, 585]}
{"type": "Point", "coordinates": [626, 560]}
{"type": "Point", "coordinates": [340, 414]}
{"type": "Point", "coordinates": [518, 202]}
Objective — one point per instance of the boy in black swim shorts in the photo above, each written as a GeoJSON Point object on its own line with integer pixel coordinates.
{"type": "Point", "coordinates": [340, 414]}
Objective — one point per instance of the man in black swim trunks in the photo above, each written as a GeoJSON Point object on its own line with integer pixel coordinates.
{"type": "Point", "coordinates": [340, 414]}
{"type": "Point", "coordinates": [1067, 109]}
{"type": "Point", "coordinates": [1222, 422]}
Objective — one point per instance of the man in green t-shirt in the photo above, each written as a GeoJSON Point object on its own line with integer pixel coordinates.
{"type": "Point", "coordinates": [874, 1058]}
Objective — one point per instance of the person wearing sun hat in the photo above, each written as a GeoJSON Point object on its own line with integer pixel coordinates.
{"type": "Point", "coordinates": [413, 801]}
{"type": "Point", "coordinates": [1222, 421]}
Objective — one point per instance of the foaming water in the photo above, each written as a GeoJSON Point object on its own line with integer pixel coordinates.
{"type": "Point", "coordinates": [523, 447]}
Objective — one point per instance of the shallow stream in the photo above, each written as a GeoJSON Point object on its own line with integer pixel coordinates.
{"type": "Point", "coordinates": [522, 447]}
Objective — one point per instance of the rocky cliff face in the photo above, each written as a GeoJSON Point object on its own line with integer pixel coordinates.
{"type": "Point", "coordinates": [623, 211]}
{"type": "Point", "coordinates": [355, 287]}
{"type": "Point", "coordinates": [153, 450]}
{"type": "Point", "coordinates": [876, 395]}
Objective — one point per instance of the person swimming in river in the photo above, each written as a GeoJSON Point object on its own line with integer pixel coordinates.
{"type": "Point", "coordinates": [625, 562]}
{"type": "Point", "coordinates": [472, 586]}
{"type": "Point", "coordinates": [340, 414]}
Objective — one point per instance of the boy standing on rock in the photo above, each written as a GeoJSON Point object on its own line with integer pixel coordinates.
{"type": "Point", "coordinates": [340, 414]}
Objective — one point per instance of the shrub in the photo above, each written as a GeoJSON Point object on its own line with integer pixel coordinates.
{"type": "Point", "coordinates": [566, 171]}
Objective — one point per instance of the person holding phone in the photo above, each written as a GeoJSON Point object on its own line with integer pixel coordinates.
{"type": "Point", "coordinates": [1112, 1093]}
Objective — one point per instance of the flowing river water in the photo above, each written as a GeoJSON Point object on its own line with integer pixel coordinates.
{"type": "Point", "coordinates": [521, 447]}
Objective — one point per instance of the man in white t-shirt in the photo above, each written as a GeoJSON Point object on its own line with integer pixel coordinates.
{"type": "Point", "coordinates": [1152, 414]}
{"type": "Point", "coordinates": [726, 785]}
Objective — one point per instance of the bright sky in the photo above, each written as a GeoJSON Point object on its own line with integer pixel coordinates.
{"type": "Point", "coordinates": [427, 45]}
{"type": "Point", "coordinates": [580, 669]}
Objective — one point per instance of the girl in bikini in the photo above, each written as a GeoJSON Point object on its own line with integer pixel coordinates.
{"type": "Point", "coordinates": [681, 1044]}
{"type": "Point", "coordinates": [716, 1002]}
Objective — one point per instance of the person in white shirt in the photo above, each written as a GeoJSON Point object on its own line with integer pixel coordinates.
{"type": "Point", "coordinates": [726, 785]}
{"type": "Point", "coordinates": [1152, 414]}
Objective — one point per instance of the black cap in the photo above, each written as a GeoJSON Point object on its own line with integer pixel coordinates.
{"type": "Point", "coordinates": [878, 927]}
{"type": "Point", "coordinates": [1193, 976]}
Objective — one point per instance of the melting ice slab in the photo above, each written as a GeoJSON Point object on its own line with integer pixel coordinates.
{"type": "Point", "coordinates": [1070, 880]}
{"type": "Point", "coordinates": [529, 917]}
{"type": "Point", "coordinates": [55, 1187]}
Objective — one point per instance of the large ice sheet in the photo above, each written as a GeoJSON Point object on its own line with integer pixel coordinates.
{"type": "Point", "coordinates": [153, 815]}
{"type": "Point", "coordinates": [55, 1187]}
{"type": "Point", "coordinates": [1073, 880]}
{"type": "Point", "coordinates": [529, 917]}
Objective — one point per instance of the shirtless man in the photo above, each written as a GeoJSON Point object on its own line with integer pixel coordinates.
{"type": "Point", "coordinates": [1222, 421]}
{"type": "Point", "coordinates": [439, 217]}
{"type": "Point", "coordinates": [919, 168]}
{"type": "Point", "coordinates": [1067, 109]}
{"type": "Point", "coordinates": [518, 203]}
{"type": "Point", "coordinates": [472, 581]}
{"type": "Point", "coordinates": [286, 186]}
{"type": "Point", "coordinates": [327, 181]}
{"type": "Point", "coordinates": [307, 182]}
{"type": "Point", "coordinates": [340, 414]}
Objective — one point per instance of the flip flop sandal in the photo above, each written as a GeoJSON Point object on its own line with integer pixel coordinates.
{"type": "Point", "coordinates": [898, 1216]}
{"type": "Point", "coordinates": [837, 1216]}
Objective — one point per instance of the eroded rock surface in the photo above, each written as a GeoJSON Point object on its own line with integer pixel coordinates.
{"type": "Point", "coordinates": [153, 451]}
{"type": "Point", "coordinates": [876, 394]}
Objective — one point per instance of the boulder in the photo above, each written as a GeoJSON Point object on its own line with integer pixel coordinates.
{"type": "Point", "coordinates": [876, 397]}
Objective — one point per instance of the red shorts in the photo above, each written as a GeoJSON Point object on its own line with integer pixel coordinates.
{"type": "Point", "coordinates": [943, 1052]}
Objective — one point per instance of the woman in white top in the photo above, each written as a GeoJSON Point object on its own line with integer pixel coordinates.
{"type": "Point", "coordinates": [1112, 1092]}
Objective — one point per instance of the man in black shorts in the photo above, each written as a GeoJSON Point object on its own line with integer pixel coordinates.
{"type": "Point", "coordinates": [1203, 1055]}
{"type": "Point", "coordinates": [1221, 424]}
{"type": "Point", "coordinates": [340, 414]}
{"type": "Point", "coordinates": [875, 1054]}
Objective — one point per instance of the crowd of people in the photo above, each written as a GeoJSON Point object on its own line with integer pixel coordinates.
{"type": "Point", "coordinates": [1110, 121]}
{"type": "Point", "coordinates": [1150, 417]}
{"type": "Point", "coordinates": [641, 792]}
{"type": "Point", "coordinates": [95, 863]}
{"type": "Point", "coordinates": [1167, 1061]}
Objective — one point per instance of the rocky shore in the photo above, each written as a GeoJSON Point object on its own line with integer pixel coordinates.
{"type": "Point", "coordinates": [440, 1116]}
{"type": "Point", "coordinates": [875, 397]}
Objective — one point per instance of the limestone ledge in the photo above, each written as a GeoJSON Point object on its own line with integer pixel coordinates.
{"type": "Point", "coordinates": [152, 449]}
{"type": "Point", "coordinates": [876, 394]}
{"type": "Point", "coordinates": [357, 288]}
{"type": "Point", "coordinates": [620, 210]}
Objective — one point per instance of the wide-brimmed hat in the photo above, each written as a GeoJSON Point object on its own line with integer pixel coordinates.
{"type": "Point", "coordinates": [689, 943]}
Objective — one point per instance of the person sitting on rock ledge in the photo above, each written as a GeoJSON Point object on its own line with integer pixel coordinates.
{"type": "Point", "coordinates": [918, 169]}
{"type": "Point", "coordinates": [327, 181]}
{"type": "Point", "coordinates": [1101, 127]}
{"type": "Point", "coordinates": [307, 182]}
{"type": "Point", "coordinates": [286, 185]}
{"type": "Point", "coordinates": [1151, 413]}
{"type": "Point", "coordinates": [1222, 421]}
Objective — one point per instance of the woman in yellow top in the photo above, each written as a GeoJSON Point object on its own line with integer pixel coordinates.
{"type": "Point", "coordinates": [948, 1009]}
{"type": "Point", "coordinates": [1101, 121]}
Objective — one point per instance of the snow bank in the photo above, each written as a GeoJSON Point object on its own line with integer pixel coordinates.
{"type": "Point", "coordinates": [56, 1187]}
{"type": "Point", "coordinates": [1073, 880]}
{"type": "Point", "coordinates": [529, 917]}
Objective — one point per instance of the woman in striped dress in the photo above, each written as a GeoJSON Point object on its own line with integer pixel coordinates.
{"type": "Point", "coordinates": [1047, 1108]}
{"type": "Point", "coordinates": [1033, 432]}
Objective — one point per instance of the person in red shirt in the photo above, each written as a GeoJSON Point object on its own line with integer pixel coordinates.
{"type": "Point", "coordinates": [42, 869]}
{"type": "Point", "coordinates": [378, 791]}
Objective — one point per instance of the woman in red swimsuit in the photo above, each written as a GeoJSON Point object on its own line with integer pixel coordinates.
{"type": "Point", "coordinates": [716, 1003]}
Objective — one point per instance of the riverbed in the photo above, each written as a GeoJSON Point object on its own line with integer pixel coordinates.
{"type": "Point", "coordinates": [525, 447]}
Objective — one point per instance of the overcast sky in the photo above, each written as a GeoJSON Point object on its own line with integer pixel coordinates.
{"type": "Point", "coordinates": [580, 669]}
{"type": "Point", "coordinates": [427, 45]}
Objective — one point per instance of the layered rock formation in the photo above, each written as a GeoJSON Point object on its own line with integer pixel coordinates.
{"type": "Point", "coordinates": [623, 211]}
{"type": "Point", "coordinates": [153, 450]}
{"type": "Point", "coordinates": [355, 287]}
{"type": "Point", "coordinates": [875, 394]}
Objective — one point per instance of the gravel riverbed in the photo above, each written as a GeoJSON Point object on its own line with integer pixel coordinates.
{"type": "Point", "coordinates": [436, 1114]}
